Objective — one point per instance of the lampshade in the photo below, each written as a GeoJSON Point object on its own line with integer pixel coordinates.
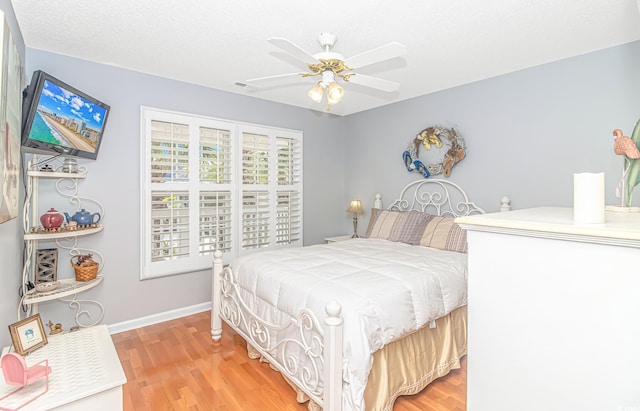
{"type": "Point", "coordinates": [334, 93]}
{"type": "Point", "coordinates": [355, 207]}
{"type": "Point", "coordinates": [316, 92]}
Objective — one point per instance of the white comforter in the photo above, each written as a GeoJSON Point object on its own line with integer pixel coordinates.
{"type": "Point", "coordinates": [386, 289]}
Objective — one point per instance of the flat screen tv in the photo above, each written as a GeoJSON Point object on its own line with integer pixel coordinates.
{"type": "Point", "coordinates": [59, 119]}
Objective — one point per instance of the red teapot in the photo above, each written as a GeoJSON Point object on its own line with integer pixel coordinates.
{"type": "Point", "coordinates": [51, 219]}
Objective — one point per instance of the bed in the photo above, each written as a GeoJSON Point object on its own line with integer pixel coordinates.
{"type": "Point", "coordinates": [352, 325]}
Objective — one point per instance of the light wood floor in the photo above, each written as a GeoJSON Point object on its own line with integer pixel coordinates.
{"type": "Point", "coordinates": [177, 366]}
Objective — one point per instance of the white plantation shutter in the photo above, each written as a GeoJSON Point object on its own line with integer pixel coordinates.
{"type": "Point", "coordinates": [170, 225]}
{"type": "Point", "coordinates": [169, 160]}
{"type": "Point", "coordinates": [169, 209]}
{"type": "Point", "coordinates": [255, 159]}
{"type": "Point", "coordinates": [255, 204]}
{"type": "Point", "coordinates": [215, 170]}
{"type": "Point", "coordinates": [289, 161]}
{"type": "Point", "coordinates": [289, 218]}
{"type": "Point", "coordinates": [215, 156]}
{"type": "Point", "coordinates": [211, 185]}
{"type": "Point", "coordinates": [289, 204]}
{"type": "Point", "coordinates": [215, 222]}
{"type": "Point", "coordinates": [271, 186]}
{"type": "Point", "coordinates": [255, 219]}
{"type": "Point", "coordinates": [169, 152]}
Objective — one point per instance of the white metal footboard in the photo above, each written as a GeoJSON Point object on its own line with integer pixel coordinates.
{"type": "Point", "coordinates": [316, 352]}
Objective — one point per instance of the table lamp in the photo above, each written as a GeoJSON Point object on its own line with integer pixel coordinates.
{"type": "Point", "coordinates": [356, 208]}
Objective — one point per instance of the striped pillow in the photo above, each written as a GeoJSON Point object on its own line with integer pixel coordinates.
{"type": "Point", "coordinates": [444, 234]}
{"type": "Point", "coordinates": [401, 226]}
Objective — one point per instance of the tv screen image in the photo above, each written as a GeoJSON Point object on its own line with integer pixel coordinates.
{"type": "Point", "coordinates": [61, 119]}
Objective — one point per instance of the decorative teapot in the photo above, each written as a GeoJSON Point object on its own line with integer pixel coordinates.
{"type": "Point", "coordinates": [83, 217]}
{"type": "Point", "coordinates": [51, 219]}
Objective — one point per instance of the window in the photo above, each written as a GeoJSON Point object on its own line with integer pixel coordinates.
{"type": "Point", "coordinates": [212, 184]}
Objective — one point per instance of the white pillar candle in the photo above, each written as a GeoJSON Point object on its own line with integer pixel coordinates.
{"type": "Point", "coordinates": [588, 198]}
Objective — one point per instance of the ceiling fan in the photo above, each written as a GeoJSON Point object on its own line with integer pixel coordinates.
{"type": "Point", "coordinates": [330, 66]}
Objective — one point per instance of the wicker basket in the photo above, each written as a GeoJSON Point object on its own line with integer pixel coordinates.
{"type": "Point", "coordinates": [85, 271]}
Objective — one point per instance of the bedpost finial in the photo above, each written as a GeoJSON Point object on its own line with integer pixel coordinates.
{"type": "Point", "coordinates": [378, 202]}
{"type": "Point", "coordinates": [333, 308]}
{"type": "Point", "coordinates": [505, 204]}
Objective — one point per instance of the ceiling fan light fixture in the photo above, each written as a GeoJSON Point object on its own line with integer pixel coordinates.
{"type": "Point", "coordinates": [334, 93]}
{"type": "Point", "coordinates": [316, 92]}
{"type": "Point", "coordinates": [332, 66]}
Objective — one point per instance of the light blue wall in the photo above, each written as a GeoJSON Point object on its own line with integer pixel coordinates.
{"type": "Point", "coordinates": [114, 179]}
{"type": "Point", "coordinates": [526, 132]}
{"type": "Point", "coordinates": [10, 231]}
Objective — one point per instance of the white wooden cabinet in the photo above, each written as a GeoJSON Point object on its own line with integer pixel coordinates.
{"type": "Point", "coordinates": [553, 312]}
{"type": "Point", "coordinates": [66, 242]}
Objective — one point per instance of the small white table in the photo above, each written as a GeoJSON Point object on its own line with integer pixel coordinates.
{"type": "Point", "coordinates": [338, 238]}
{"type": "Point", "coordinates": [86, 374]}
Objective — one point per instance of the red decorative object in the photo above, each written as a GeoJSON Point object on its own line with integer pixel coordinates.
{"type": "Point", "coordinates": [51, 219]}
{"type": "Point", "coordinates": [16, 372]}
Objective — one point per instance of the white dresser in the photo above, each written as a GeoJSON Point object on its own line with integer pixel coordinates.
{"type": "Point", "coordinates": [85, 374]}
{"type": "Point", "coordinates": [554, 312]}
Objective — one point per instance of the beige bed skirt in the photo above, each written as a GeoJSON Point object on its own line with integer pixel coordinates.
{"type": "Point", "coordinates": [405, 367]}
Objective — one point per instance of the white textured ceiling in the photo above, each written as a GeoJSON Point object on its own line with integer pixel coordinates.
{"type": "Point", "coordinates": [218, 43]}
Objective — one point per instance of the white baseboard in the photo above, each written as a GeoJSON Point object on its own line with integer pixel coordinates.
{"type": "Point", "coordinates": [158, 318]}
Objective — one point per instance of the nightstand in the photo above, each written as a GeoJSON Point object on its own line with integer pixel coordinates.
{"type": "Point", "coordinates": [85, 373]}
{"type": "Point", "coordinates": [337, 238]}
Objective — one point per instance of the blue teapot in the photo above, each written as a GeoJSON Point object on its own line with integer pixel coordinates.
{"type": "Point", "coordinates": [83, 217]}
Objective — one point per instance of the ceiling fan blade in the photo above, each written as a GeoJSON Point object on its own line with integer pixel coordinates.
{"type": "Point", "coordinates": [374, 82]}
{"type": "Point", "coordinates": [263, 81]}
{"type": "Point", "coordinates": [292, 49]}
{"type": "Point", "coordinates": [382, 53]}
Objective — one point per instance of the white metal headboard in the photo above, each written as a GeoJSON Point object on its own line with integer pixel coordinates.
{"type": "Point", "coordinates": [437, 197]}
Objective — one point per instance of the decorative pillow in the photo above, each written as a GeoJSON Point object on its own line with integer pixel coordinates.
{"type": "Point", "coordinates": [444, 234]}
{"type": "Point", "coordinates": [401, 226]}
{"type": "Point", "coordinates": [388, 217]}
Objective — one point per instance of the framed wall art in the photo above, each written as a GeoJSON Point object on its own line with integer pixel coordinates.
{"type": "Point", "coordinates": [10, 122]}
{"type": "Point", "coordinates": [28, 335]}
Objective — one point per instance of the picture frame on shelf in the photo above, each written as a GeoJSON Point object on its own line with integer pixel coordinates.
{"type": "Point", "coordinates": [28, 335]}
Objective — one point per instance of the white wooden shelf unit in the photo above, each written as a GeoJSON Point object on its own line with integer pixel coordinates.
{"type": "Point", "coordinates": [66, 186]}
